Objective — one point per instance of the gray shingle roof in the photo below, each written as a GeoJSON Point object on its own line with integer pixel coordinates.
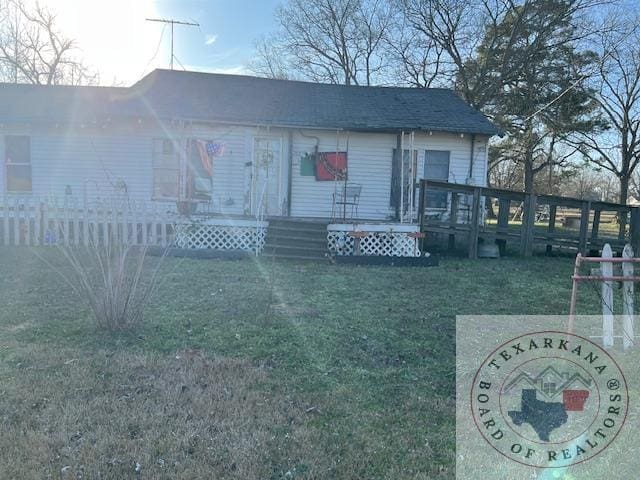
{"type": "Point", "coordinates": [250, 100]}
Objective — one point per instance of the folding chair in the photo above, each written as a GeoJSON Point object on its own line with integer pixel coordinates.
{"type": "Point", "coordinates": [346, 198]}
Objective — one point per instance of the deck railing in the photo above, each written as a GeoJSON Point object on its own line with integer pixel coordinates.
{"type": "Point", "coordinates": [526, 220]}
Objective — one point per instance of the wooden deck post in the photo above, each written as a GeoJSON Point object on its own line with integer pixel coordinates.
{"type": "Point", "coordinates": [504, 205]}
{"type": "Point", "coordinates": [623, 218]}
{"type": "Point", "coordinates": [453, 219]}
{"type": "Point", "coordinates": [584, 227]}
{"type": "Point", "coordinates": [595, 226]}
{"type": "Point", "coordinates": [553, 209]}
{"type": "Point", "coordinates": [528, 222]}
{"type": "Point", "coordinates": [475, 227]}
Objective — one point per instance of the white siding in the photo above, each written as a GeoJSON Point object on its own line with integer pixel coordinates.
{"type": "Point", "coordinates": [95, 161]}
{"type": "Point", "coordinates": [91, 162]}
{"type": "Point", "coordinates": [369, 163]}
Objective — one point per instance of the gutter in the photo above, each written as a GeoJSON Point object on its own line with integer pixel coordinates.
{"type": "Point", "coordinates": [290, 177]}
{"type": "Point", "coordinates": [473, 147]}
{"type": "Point", "coordinates": [159, 119]}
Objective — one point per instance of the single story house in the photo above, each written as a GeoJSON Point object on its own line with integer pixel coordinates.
{"type": "Point", "coordinates": [239, 146]}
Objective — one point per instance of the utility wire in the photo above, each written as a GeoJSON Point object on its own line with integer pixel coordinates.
{"type": "Point", "coordinates": [164, 27]}
{"type": "Point", "coordinates": [574, 84]}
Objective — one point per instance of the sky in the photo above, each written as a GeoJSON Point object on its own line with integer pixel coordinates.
{"type": "Point", "coordinates": [114, 38]}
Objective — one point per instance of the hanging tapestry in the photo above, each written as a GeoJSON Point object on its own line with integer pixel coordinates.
{"type": "Point", "coordinates": [331, 166]}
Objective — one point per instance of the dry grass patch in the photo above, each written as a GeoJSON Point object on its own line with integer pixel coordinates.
{"type": "Point", "coordinates": [114, 416]}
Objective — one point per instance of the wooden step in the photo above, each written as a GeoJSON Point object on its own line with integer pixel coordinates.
{"type": "Point", "coordinates": [282, 227]}
{"type": "Point", "coordinates": [296, 257]}
{"type": "Point", "coordinates": [296, 240]}
{"type": "Point", "coordinates": [295, 250]}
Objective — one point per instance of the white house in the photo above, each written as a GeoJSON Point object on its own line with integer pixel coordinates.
{"type": "Point", "coordinates": [240, 146]}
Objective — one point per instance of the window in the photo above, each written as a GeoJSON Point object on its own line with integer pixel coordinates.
{"type": "Point", "coordinates": [166, 169]}
{"type": "Point", "coordinates": [436, 167]}
{"type": "Point", "coordinates": [18, 162]}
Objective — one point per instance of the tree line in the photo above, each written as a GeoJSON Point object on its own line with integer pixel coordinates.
{"type": "Point", "coordinates": [561, 78]}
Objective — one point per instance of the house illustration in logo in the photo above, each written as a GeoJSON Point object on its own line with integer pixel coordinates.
{"type": "Point", "coordinates": [549, 383]}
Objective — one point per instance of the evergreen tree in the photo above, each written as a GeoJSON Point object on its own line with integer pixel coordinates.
{"type": "Point", "coordinates": [539, 96]}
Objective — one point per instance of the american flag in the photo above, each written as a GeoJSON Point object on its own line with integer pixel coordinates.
{"type": "Point", "coordinates": [207, 151]}
{"type": "Point", "coordinates": [214, 149]}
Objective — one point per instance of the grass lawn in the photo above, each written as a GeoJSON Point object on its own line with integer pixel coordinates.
{"type": "Point", "coordinates": [249, 369]}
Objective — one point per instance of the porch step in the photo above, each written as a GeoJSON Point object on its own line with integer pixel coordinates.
{"type": "Point", "coordinates": [307, 227]}
{"type": "Point", "coordinates": [299, 239]}
{"type": "Point", "coordinates": [288, 250]}
{"type": "Point", "coordinates": [299, 236]}
{"type": "Point", "coordinates": [295, 257]}
{"type": "Point", "coordinates": [278, 238]}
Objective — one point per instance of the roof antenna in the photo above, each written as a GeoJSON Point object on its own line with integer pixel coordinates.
{"type": "Point", "coordinates": [172, 22]}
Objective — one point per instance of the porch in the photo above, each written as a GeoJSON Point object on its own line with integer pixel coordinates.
{"type": "Point", "coordinates": [31, 221]}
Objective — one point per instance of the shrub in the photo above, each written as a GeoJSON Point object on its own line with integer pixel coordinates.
{"type": "Point", "coordinates": [113, 279]}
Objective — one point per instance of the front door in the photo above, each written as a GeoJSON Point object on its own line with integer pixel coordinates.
{"type": "Point", "coordinates": [267, 198]}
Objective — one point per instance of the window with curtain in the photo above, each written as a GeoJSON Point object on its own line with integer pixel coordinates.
{"type": "Point", "coordinates": [166, 169]}
{"type": "Point", "coordinates": [18, 163]}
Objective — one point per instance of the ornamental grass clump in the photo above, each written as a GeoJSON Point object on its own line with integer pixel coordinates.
{"type": "Point", "coordinates": [113, 278]}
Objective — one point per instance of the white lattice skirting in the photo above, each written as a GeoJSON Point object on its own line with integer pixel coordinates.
{"type": "Point", "coordinates": [380, 239]}
{"type": "Point", "coordinates": [233, 235]}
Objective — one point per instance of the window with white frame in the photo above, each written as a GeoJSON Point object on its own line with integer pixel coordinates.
{"type": "Point", "coordinates": [436, 167]}
{"type": "Point", "coordinates": [166, 169]}
{"type": "Point", "coordinates": [18, 163]}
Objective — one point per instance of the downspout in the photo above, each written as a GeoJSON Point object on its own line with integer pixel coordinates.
{"type": "Point", "coordinates": [290, 178]}
{"type": "Point", "coordinates": [396, 201]}
{"type": "Point", "coordinates": [473, 147]}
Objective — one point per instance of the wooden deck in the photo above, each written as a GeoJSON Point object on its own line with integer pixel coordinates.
{"type": "Point", "coordinates": [527, 220]}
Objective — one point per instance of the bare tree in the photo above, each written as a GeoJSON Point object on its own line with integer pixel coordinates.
{"type": "Point", "coordinates": [33, 50]}
{"type": "Point", "coordinates": [270, 58]}
{"type": "Point", "coordinates": [334, 41]}
{"type": "Point", "coordinates": [590, 183]}
{"type": "Point", "coordinates": [444, 35]}
{"type": "Point", "coordinates": [416, 59]}
{"type": "Point", "coordinates": [616, 146]}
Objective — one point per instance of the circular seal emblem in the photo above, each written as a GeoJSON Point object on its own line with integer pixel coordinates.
{"type": "Point", "coordinates": [549, 399]}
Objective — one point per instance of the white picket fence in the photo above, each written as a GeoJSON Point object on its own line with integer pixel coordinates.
{"type": "Point", "coordinates": [628, 309]}
{"type": "Point", "coordinates": [610, 271]}
{"type": "Point", "coordinates": [29, 221]}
